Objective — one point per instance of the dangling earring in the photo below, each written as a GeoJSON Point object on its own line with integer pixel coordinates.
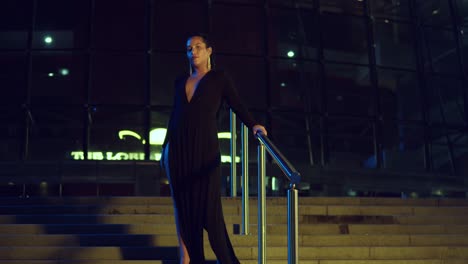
{"type": "Point", "coordinates": [209, 63]}
{"type": "Point", "coordinates": [190, 68]}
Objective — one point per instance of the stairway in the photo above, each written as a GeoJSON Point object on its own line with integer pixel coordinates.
{"type": "Point", "coordinates": [140, 230]}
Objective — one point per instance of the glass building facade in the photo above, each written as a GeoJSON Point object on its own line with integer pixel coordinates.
{"type": "Point", "coordinates": [375, 86]}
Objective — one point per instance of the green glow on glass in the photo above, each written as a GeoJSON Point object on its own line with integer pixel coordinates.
{"type": "Point", "coordinates": [290, 54]}
{"type": "Point", "coordinates": [48, 39]}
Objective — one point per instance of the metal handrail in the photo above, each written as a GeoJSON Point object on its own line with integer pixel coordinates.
{"type": "Point", "coordinates": [291, 174]}
{"type": "Point", "coordinates": [294, 178]}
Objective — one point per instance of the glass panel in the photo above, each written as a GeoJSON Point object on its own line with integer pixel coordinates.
{"type": "Point", "coordinates": [464, 40]}
{"type": "Point", "coordinates": [434, 13]}
{"type": "Point", "coordinates": [462, 11]}
{"type": "Point", "coordinates": [13, 79]}
{"type": "Point", "coordinates": [120, 24]}
{"type": "Point", "coordinates": [11, 132]}
{"type": "Point", "coordinates": [116, 134]}
{"type": "Point", "coordinates": [344, 39]}
{"type": "Point", "coordinates": [290, 136]}
{"type": "Point", "coordinates": [118, 79]}
{"type": "Point", "coordinates": [15, 22]}
{"type": "Point", "coordinates": [441, 51]}
{"type": "Point", "coordinates": [166, 68]}
{"type": "Point", "coordinates": [309, 4]}
{"type": "Point", "coordinates": [293, 33]}
{"type": "Point", "coordinates": [351, 143]}
{"type": "Point", "coordinates": [159, 122]}
{"type": "Point", "coordinates": [56, 133]}
{"type": "Point", "coordinates": [183, 18]}
{"type": "Point", "coordinates": [400, 94]}
{"type": "Point", "coordinates": [239, 1]}
{"type": "Point", "coordinates": [349, 90]}
{"type": "Point", "coordinates": [248, 75]}
{"type": "Point", "coordinates": [58, 79]}
{"type": "Point", "coordinates": [403, 147]}
{"type": "Point", "coordinates": [441, 154]}
{"type": "Point", "coordinates": [342, 6]}
{"type": "Point", "coordinates": [62, 24]}
{"type": "Point", "coordinates": [239, 36]}
{"type": "Point", "coordinates": [293, 85]}
{"type": "Point", "coordinates": [445, 100]}
{"type": "Point", "coordinates": [398, 9]}
{"type": "Point", "coordinates": [394, 44]}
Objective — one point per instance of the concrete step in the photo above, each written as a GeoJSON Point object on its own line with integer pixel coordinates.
{"type": "Point", "coordinates": [109, 240]}
{"type": "Point", "coordinates": [235, 209]}
{"type": "Point", "coordinates": [237, 200]}
{"type": "Point", "coordinates": [162, 229]}
{"type": "Point", "coordinates": [373, 261]}
{"type": "Point", "coordinates": [244, 253]}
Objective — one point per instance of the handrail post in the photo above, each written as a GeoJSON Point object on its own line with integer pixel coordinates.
{"type": "Point", "coordinates": [293, 245]}
{"type": "Point", "coordinates": [245, 180]}
{"type": "Point", "coordinates": [261, 226]}
{"type": "Point", "coordinates": [233, 155]}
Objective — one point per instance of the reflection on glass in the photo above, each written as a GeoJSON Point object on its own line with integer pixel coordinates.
{"type": "Point", "coordinates": [292, 33]}
{"type": "Point", "coordinates": [62, 24]}
{"type": "Point", "coordinates": [355, 7]}
{"type": "Point", "coordinates": [55, 132]}
{"type": "Point", "coordinates": [351, 143]}
{"type": "Point", "coordinates": [15, 21]}
{"type": "Point", "coordinates": [344, 39]}
{"type": "Point", "coordinates": [397, 9]}
{"type": "Point", "coordinates": [394, 44]}
{"type": "Point", "coordinates": [400, 94]}
{"type": "Point", "coordinates": [348, 90]}
{"type": "Point", "coordinates": [293, 85]}
{"type": "Point", "coordinates": [434, 13]}
{"type": "Point", "coordinates": [58, 79]}
{"type": "Point", "coordinates": [445, 100]}
{"type": "Point", "coordinates": [403, 146]}
{"type": "Point", "coordinates": [441, 50]}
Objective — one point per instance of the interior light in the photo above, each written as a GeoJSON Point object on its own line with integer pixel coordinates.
{"type": "Point", "coordinates": [48, 39]}
{"type": "Point", "coordinates": [387, 21]}
{"type": "Point", "coordinates": [283, 84]}
{"type": "Point", "coordinates": [51, 74]}
{"type": "Point", "coordinates": [290, 54]}
{"type": "Point", "coordinates": [157, 136]}
{"type": "Point", "coordinates": [435, 12]}
{"type": "Point", "coordinates": [64, 71]}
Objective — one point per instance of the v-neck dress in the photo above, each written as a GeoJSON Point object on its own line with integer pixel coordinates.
{"type": "Point", "coordinates": [193, 163]}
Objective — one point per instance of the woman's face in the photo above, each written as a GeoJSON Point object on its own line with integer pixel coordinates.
{"type": "Point", "coordinates": [197, 52]}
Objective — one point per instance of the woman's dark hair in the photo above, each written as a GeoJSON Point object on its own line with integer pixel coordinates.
{"type": "Point", "coordinates": [208, 44]}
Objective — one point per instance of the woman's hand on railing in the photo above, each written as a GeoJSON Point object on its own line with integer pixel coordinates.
{"type": "Point", "coordinates": [259, 128]}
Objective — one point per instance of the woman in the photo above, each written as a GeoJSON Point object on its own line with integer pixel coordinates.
{"type": "Point", "coordinates": [192, 156]}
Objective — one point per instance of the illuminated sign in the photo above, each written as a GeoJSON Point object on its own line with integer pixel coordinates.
{"type": "Point", "coordinates": [156, 138]}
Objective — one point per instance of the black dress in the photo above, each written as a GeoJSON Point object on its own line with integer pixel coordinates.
{"type": "Point", "coordinates": [193, 161]}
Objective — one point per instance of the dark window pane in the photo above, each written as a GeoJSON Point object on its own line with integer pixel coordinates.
{"type": "Point", "coordinates": [348, 90]}
{"type": "Point", "coordinates": [400, 94]}
{"type": "Point", "coordinates": [15, 23]}
{"type": "Point", "coordinates": [290, 136]}
{"type": "Point", "coordinates": [441, 51]}
{"type": "Point", "coordinates": [464, 39]}
{"type": "Point", "coordinates": [462, 12]}
{"type": "Point", "coordinates": [58, 79]}
{"type": "Point", "coordinates": [166, 68]}
{"type": "Point", "coordinates": [183, 18]}
{"type": "Point", "coordinates": [351, 143]}
{"type": "Point", "coordinates": [342, 6]}
{"type": "Point", "coordinates": [238, 36]}
{"type": "Point", "coordinates": [293, 33]}
{"type": "Point", "coordinates": [394, 44]}
{"type": "Point", "coordinates": [13, 79]}
{"type": "Point", "coordinates": [447, 145]}
{"type": "Point", "coordinates": [445, 100]}
{"type": "Point", "coordinates": [293, 85]}
{"type": "Point", "coordinates": [434, 13]}
{"type": "Point", "coordinates": [309, 4]}
{"type": "Point", "coordinates": [403, 147]}
{"type": "Point", "coordinates": [344, 39]}
{"type": "Point", "coordinates": [118, 79]}
{"type": "Point", "coordinates": [62, 24]}
{"type": "Point", "coordinates": [390, 9]}
{"type": "Point", "coordinates": [239, 1]}
{"type": "Point", "coordinates": [119, 25]}
{"type": "Point", "coordinates": [11, 132]}
{"type": "Point", "coordinates": [116, 134]}
{"type": "Point", "coordinates": [248, 75]}
{"type": "Point", "coordinates": [56, 133]}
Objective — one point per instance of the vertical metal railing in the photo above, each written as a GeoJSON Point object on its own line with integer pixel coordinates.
{"type": "Point", "coordinates": [233, 179]}
{"type": "Point", "coordinates": [291, 174]}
